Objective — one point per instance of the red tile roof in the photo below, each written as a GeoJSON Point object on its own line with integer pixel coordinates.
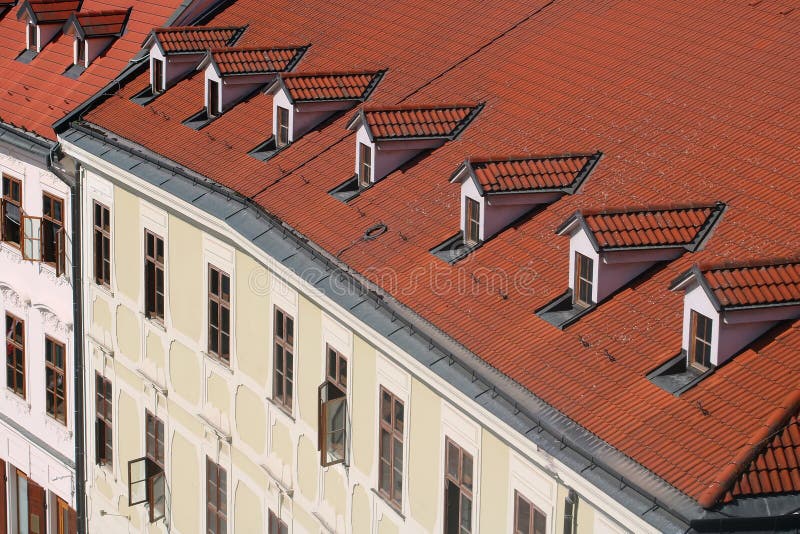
{"type": "Point", "coordinates": [35, 95]}
{"type": "Point", "coordinates": [776, 470]}
{"type": "Point", "coordinates": [256, 60]}
{"type": "Point", "coordinates": [689, 101]}
{"type": "Point", "coordinates": [758, 285]}
{"type": "Point", "coordinates": [51, 11]}
{"type": "Point", "coordinates": [404, 122]}
{"type": "Point", "coordinates": [102, 23]}
{"type": "Point", "coordinates": [531, 173]}
{"type": "Point", "coordinates": [315, 86]}
{"type": "Point", "coordinates": [192, 39]}
{"type": "Point", "coordinates": [677, 227]}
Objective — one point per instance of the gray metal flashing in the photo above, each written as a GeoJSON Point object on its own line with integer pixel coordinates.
{"type": "Point", "coordinates": [37, 441]}
{"type": "Point", "coordinates": [29, 144]}
{"type": "Point", "coordinates": [626, 481]}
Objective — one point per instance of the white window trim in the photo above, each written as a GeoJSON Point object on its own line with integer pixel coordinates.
{"type": "Point", "coordinates": [221, 256]}
{"type": "Point", "coordinates": [465, 433]}
{"type": "Point", "coordinates": [542, 495]}
{"type": "Point", "coordinates": [286, 298]}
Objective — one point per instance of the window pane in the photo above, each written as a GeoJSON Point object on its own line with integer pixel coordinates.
{"type": "Point", "coordinates": [343, 372]}
{"type": "Point", "coordinates": [398, 416]}
{"type": "Point", "coordinates": [523, 523]}
{"type": "Point", "coordinates": [539, 522]}
{"type": "Point", "coordinates": [466, 513]}
{"type": "Point", "coordinates": [466, 470]}
{"type": "Point", "coordinates": [386, 407]}
{"type": "Point", "coordinates": [452, 460]}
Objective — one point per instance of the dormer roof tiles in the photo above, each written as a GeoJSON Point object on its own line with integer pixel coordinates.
{"type": "Point", "coordinates": [678, 227]}
{"type": "Point", "coordinates": [534, 173]}
{"type": "Point", "coordinates": [415, 122]}
{"type": "Point", "coordinates": [760, 285]}
{"type": "Point", "coordinates": [326, 86]}
{"type": "Point", "coordinates": [49, 11]}
{"type": "Point", "coordinates": [192, 39]}
{"type": "Point", "coordinates": [259, 60]}
{"type": "Point", "coordinates": [107, 23]}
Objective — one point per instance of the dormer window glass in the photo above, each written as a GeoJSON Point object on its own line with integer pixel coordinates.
{"type": "Point", "coordinates": [33, 38]}
{"type": "Point", "coordinates": [158, 76]}
{"type": "Point", "coordinates": [364, 165]}
{"type": "Point", "coordinates": [282, 137]}
{"type": "Point", "coordinates": [700, 341]}
{"type": "Point", "coordinates": [472, 221]}
{"type": "Point", "coordinates": [80, 52]}
{"type": "Point", "coordinates": [584, 280]}
{"type": "Point", "coordinates": [213, 107]}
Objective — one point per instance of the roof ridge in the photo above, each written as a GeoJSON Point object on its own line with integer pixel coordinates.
{"type": "Point", "coordinates": [219, 49]}
{"type": "Point", "coordinates": [196, 28]}
{"type": "Point", "coordinates": [417, 107]}
{"type": "Point", "coordinates": [102, 12]}
{"type": "Point", "coordinates": [505, 159]}
{"type": "Point", "coordinates": [655, 208]}
{"type": "Point", "coordinates": [753, 264]}
{"type": "Point", "coordinates": [312, 74]}
{"type": "Point", "coordinates": [758, 441]}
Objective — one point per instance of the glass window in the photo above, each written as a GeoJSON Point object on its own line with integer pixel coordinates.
{"type": "Point", "coordinates": [15, 355]}
{"type": "Point", "coordinates": [584, 274]}
{"type": "Point", "coordinates": [700, 340]}
{"type": "Point", "coordinates": [55, 379]}
{"type": "Point", "coordinates": [219, 315]}
{"type": "Point", "coordinates": [283, 379]}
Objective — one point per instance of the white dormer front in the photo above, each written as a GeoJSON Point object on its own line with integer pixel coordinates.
{"type": "Point", "coordinates": [232, 88]}
{"type": "Point", "coordinates": [213, 98]}
{"type": "Point", "coordinates": [300, 117]}
{"type": "Point", "coordinates": [580, 243]}
{"type": "Point", "coordinates": [92, 48]}
{"type": "Point", "coordinates": [175, 67]}
{"type": "Point", "coordinates": [159, 71]}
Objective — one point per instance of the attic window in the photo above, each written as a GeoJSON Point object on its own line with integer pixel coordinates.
{"type": "Point", "coordinates": [584, 276]}
{"type": "Point", "coordinates": [700, 341]}
{"type": "Point", "coordinates": [80, 51]}
{"type": "Point", "coordinates": [364, 165]}
{"type": "Point", "coordinates": [472, 222]}
{"type": "Point", "coordinates": [33, 37]}
{"type": "Point", "coordinates": [158, 76]}
{"type": "Point", "coordinates": [212, 104]}
{"type": "Point", "coordinates": [282, 138]}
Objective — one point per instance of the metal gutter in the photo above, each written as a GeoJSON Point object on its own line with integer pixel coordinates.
{"type": "Point", "coordinates": [620, 477]}
{"type": "Point", "coordinates": [27, 142]}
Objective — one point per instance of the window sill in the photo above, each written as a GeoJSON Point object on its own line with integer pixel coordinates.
{"type": "Point", "coordinates": [104, 289]}
{"type": "Point", "coordinates": [21, 402]}
{"type": "Point", "coordinates": [155, 323]}
{"type": "Point", "coordinates": [388, 505]}
{"type": "Point", "coordinates": [217, 363]}
{"type": "Point", "coordinates": [281, 409]}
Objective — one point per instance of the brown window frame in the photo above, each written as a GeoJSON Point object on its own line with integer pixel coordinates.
{"type": "Point", "coordinates": [52, 223]}
{"type": "Point", "coordinates": [66, 518]}
{"type": "Point", "coordinates": [104, 420]}
{"type": "Point", "coordinates": [700, 361]}
{"type": "Point", "coordinates": [535, 516]}
{"type": "Point", "coordinates": [213, 108]}
{"type": "Point", "coordinates": [154, 300]}
{"type": "Point", "coordinates": [8, 197]}
{"type": "Point", "coordinates": [17, 346]}
{"type": "Point", "coordinates": [391, 432]}
{"type": "Point", "coordinates": [219, 301]}
{"type": "Point", "coordinates": [157, 84]}
{"type": "Point", "coordinates": [464, 487]}
{"type": "Point", "coordinates": [364, 165]}
{"type": "Point", "coordinates": [275, 525]}
{"type": "Point", "coordinates": [80, 49]}
{"type": "Point", "coordinates": [583, 286]}
{"type": "Point", "coordinates": [282, 127]}
{"type": "Point", "coordinates": [154, 439]}
{"type": "Point", "coordinates": [216, 498]}
{"type": "Point", "coordinates": [33, 37]}
{"type": "Point", "coordinates": [283, 374]}
{"type": "Point", "coordinates": [571, 512]}
{"type": "Point", "coordinates": [332, 424]}
{"type": "Point", "coordinates": [472, 221]}
{"type": "Point", "coordinates": [51, 366]}
{"type": "Point", "coordinates": [102, 244]}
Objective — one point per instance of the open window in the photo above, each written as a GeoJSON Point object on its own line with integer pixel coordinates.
{"type": "Point", "coordinates": [146, 484]}
{"type": "Point", "coordinates": [332, 431]}
{"type": "Point", "coordinates": [31, 238]}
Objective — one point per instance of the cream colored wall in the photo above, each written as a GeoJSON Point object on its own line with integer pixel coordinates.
{"type": "Point", "coordinates": [273, 458]}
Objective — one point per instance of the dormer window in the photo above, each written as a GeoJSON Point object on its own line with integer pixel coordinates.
{"type": "Point", "coordinates": [80, 51]}
{"type": "Point", "coordinates": [302, 101]}
{"type": "Point", "coordinates": [700, 341]}
{"type": "Point", "coordinates": [395, 135]}
{"type": "Point", "coordinates": [364, 165]}
{"type": "Point", "coordinates": [95, 32]}
{"type": "Point", "coordinates": [157, 72]}
{"type": "Point", "coordinates": [212, 99]}
{"type": "Point", "coordinates": [33, 38]}
{"type": "Point", "coordinates": [584, 280]}
{"type": "Point", "coordinates": [44, 21]}
{"type": "Point", "coordinates": [235, 74]}
{"type": "Point", "coordinates": [611, 248]}
{"type": "Point", "coordinates": [282, 137]}
{"type": "Point", "coordinates": [177, 51]}
{"type": "Point", "coordinates": [472, 221]}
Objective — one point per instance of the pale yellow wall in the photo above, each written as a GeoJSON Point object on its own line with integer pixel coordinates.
{"type": "Point", "coordinates": [129, 428]}
{"type": "Point", "coordinates": [128, 338]}
{"type": "Point", "coordinates": [425, 467]}
{"type": "Point", "coordinates": [335, 490]}
{"type": "Point", "coordinates": [494, 484]}
{"type": "Point", "coordinates": [186, 483]}
{"type": "Point", "coordinates": [387, 526]}
{"type": "Point", "coordinates": [251, 418]}
{"type": "Point", "coordinates": [282, 442]}
{"type": "Point", "coordinates": [585, 518]}
{"type": "Point", "coordinates": [101, 318]}
{"type": "Point", "coordinates": [309, 365]}
{"type": "Point", "coordinates": [307, 466]}
{"type": "Point", "coordinates": [128, 261]}
{"type": "Point", "coordinates": [247, 508]}
{"type": "Point", "coordinates": [303, 521]}
{"type": "Point", "coordinates": [252, 319]}
{"type": "Point", "coordinates": [217, 393]}
{"type": "Point", "coordinates": [185, 270]}
{"type": "Point", "coordinates": [155, 350]}
{"type": "Point", "coordinates": [361, 510]}
{"type": "Point", "coordinates": [185, 373]}
{"type": "Point", "coordinates": [364, 428]}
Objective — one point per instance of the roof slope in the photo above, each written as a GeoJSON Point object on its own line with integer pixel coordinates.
{"type": "Point", "coordinates": [321, 86]}
{"type": "Point", "coordinates": [191, 39]}
{"type": "Point", "coordinates": [676, 227]}
{"type": "Point", "coordinates": [761, 285]}
{"type": "Point", "coordinates": [681, 110]}
{"type": "Point", "coordinates": [51, 11]}
{"type": "Point", "coordinates": [37, 94]}
{"type": "Point", "coordinates": [531, 173]}
{"type": "Point", "coordinates": [412, 121]}
{"type": "Point", "coordinates": [102, 23]}
{"type": "Point", "coordinates": [255, 60]}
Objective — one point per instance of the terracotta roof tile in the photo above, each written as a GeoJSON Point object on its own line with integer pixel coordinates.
{"type": "Point", "coordinates": [402, 122]}
{"type": "Point", "coordinates": [257, 60]}
{"type": "Point", "coordinates": [532, 173]}
{"type": "Point", "coordinates": [306, 87]}
{"type": "Point", "coordinates": [678, 227]}
{"type": "Point", "coordinates": [192, 39]}
{"type": "Point", "coordinates": [756, 285]}
{"type": "Point", "coordinates": [52, 11]}
{"type": "Point", "coordinates": [102, 23]}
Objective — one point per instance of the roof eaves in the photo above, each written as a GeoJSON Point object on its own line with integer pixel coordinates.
{"type": "Point", "coordinates": [373, 84]}
{"type": "Point", "coordinates": [358, 120]}
{"type": "Point", "coordinates": [695, 274]}
{"type": "Point", "coordinates": [578, 219]}
{"type": "Point", "coordinates": [707, 229]}
{"type": "Point", "coordinates": [587, 169]}
{"type": "Point", "coordinates": [467, 121]}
